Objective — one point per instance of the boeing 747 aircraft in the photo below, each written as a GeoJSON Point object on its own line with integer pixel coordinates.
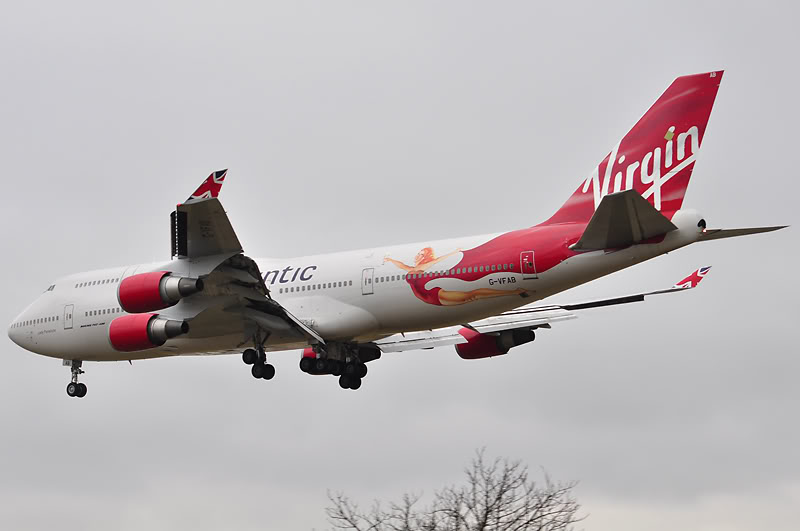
{"type": "Point", "coordinates": [346, 309]}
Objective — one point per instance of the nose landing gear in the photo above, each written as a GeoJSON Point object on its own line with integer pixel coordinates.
{"type": "Point", "coordinates": [74, 388]}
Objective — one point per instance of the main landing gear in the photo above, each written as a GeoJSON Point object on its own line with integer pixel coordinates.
{"type": "Point", "coordinates": [348, 362]}
{"type": "Point", "coordinates": [74, 388]}
{"type": "Point", "coordinates": [258, 359]}
{"type": "Point", "coordinates": [352, 375]}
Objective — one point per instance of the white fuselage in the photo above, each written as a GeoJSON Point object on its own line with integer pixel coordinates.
{"type": "Point", "coordinates": [348, 296]}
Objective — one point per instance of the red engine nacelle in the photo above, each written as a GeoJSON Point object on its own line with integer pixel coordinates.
{"type": "Point", "coordinates": [487, 345]}
{"type": "Point", "coordinates": [147, 292]}
{"type": "Point", "coordinates": [143, 331]}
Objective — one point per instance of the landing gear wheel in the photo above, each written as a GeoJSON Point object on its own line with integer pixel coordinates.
{"type": "Point", "coordinates": [335, 367]}
{"type": "Point", "coordinates": [258, 370]}
{"type": "Point", "coordinates": [355, 383]}
{"type": "Point", "coordinates": [74, 388]}
{"type": "Point", "coordinates": [351, 369]}
{"type": "Point", "coordinates": [362, 370]}
{"type": "Point", "coordinates": [344, 381]}
{"type": "Point", "coordinates": [321, 365]}
{"type": "Point", "coordinates": [250, 356]}
{"type": "Point", "coordinates": [306, 364]}
{"type": "Point", "coordinates": [269, 372]}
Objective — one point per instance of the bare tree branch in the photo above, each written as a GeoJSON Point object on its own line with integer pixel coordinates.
{"type": "Point", "coordinates": [498, 495]}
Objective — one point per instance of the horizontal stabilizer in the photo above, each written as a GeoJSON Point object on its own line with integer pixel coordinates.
{"type": "Point", "coordinates": [716, 234]}
{"type": "Point", "coordinates": [623, 219]}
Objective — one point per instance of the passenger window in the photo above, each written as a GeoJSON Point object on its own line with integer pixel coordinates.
{"type": "Point", "coordinates": [494, 268]}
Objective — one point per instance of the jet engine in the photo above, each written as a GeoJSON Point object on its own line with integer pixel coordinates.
{"type": "Point", "coordinates": [147, 292]}
{"type": "Point", "coordinates": [487, 345]}
{"type": "Point", "coordinates": [143, 331]}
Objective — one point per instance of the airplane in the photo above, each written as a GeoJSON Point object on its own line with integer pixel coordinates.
{"type": "Point", "coordinates": [346, 309]}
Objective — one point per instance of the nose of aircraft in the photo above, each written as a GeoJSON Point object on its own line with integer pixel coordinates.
{"type": "Point", "coordinates": [12, 332]}
{"type": "Point", "coordinates": [16, 333]}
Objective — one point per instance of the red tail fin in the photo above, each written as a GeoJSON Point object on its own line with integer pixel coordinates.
{"type": "Point", "coordinates": [657, 155]}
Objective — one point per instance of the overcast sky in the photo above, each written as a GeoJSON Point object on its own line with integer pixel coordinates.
{"type": "Point", "coordinates": [353, 124]}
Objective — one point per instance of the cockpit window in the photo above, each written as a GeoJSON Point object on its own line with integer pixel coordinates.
{"type": "Point", "coordinates": [51, 288]}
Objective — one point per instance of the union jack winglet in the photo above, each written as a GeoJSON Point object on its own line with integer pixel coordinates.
{"type": "Point", "coordinates": [694, 279]}
{"type": "Point", "coordinates": [210, 187]}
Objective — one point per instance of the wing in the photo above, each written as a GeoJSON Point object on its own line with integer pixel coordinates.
{"type": "Point", "coordinates": [200, 226]}
{"type": "Point", "coordinates": [525, 318]}
{"type": "Point", "coordinates": [235, 299]}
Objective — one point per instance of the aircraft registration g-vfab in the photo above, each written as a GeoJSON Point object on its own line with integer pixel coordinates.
{"type": "Point", "coordinates": [346, 309]}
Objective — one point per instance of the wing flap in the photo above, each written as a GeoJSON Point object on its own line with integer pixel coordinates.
{"type": "Point", "coordinates": [421, 340]}
{"type": "Point", "coordinates": [531, 318]}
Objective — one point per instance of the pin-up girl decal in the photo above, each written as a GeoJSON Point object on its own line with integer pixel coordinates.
{"type": "Point", "coordinates": [418, 277]}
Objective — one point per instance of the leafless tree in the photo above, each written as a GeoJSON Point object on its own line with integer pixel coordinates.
{"type": "Point", "coordinates": [497, 495]}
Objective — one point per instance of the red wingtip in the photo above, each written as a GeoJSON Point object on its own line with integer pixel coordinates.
{"type": "Point", "coordinates": [694, 279]}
